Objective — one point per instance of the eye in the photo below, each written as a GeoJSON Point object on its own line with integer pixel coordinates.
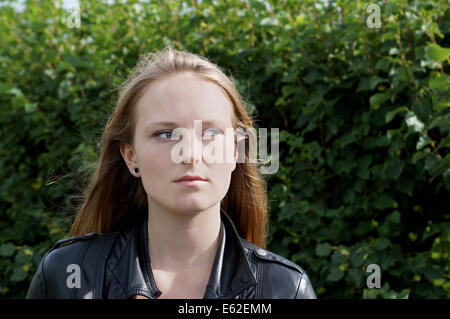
{"type": "Point", "coordinates": [168, 135]}
{"type": "Point", "coordinates": [211, 133]}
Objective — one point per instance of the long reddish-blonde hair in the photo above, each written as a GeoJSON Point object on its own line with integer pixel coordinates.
{"type": "Point", "coordinates": [114, 197]}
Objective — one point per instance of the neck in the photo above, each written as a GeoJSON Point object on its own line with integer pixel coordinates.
{"type": "Point", "coordinates": [180, 241]}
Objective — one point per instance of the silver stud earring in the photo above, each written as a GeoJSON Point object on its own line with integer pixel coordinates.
{"type": "Point", "coordinates": [136, 170]}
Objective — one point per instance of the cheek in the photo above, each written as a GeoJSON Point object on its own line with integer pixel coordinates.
{"type": "Point", "coordinates": [156, 165]}
{"type": "Point", "coordinates": [221, 176]}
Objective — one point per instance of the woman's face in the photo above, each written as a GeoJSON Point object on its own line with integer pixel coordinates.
{"type": "Point", "coordinates": [181, 99]}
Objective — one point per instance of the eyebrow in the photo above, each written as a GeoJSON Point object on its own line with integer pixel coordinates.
{"type": "Point", "coordinates": [174, 124]}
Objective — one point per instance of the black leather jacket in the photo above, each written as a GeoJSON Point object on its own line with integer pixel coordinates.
{"type": "Point", "coordinates": [117, 265]}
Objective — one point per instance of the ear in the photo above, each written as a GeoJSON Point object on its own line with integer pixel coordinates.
{"type": "Point", "coordinates": [129, 156]}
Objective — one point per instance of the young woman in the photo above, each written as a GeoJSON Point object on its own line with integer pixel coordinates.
{"type": "Point", "coordinates": [157, 224]}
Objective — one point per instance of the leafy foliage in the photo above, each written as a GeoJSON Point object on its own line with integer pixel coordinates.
{"type": "Point", "coordinates": [363, 116]}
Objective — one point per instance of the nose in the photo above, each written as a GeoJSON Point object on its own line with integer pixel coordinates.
{"type": "Point", "coordinates": [193, 148]}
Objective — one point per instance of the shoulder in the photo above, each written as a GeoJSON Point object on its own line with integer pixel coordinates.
{"type": "Point", "coordinates": [63, 264]}
{"type": "Point", "coordinates": [79, 250]}
{"type": "Point", "coordinates": [69, 255]}
{"type": "Point", "coordinates": [286, 278]}
{"type": "Point", "coordinates": [271, 258]}
{"type": "Point", "coordinates": [73, 246]}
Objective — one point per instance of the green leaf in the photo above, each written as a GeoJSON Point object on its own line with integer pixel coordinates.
{"type": "Point", "coordinates": [433, 272]}
{"type": "Point", "coordinates": [287, 211]}
{"type": "Point", "coordinates": [18, 274]}
{"type": "Point", "coordinates": [440, 121]}
{"type": "Point", "coordinates": [391, 114]}
{"type": "Point", "coordinates": [383, 64]}
{"type": "Point", "coordinates": [439, 81]}
{"type": "Point", "coordinates": [332, 213]}
{"type": "Point", "coordinates": [363, 174]}
{"type": "Point", "coordinates": [394, 217]}
{"type": "Point", "coordinates": [383, 201]}
{"type": "Point", "coordinates": [364, 161]}
{"type": "Point", "coordinates": [445, 142]}
{"type": "Point", "coordinates": [323, 250]}
{"type": "Point", "coordinates": [437, 53]}
{"type": "Point", "coordinates": [387, 258]}
{"type": "Point", "coordinates": [21, 258]}
{"type": "Point", "coordinates": [404, 294]}
{"type": "Point", "coordinates": [418, 156]}
{"type": "Point", "coordinates": [405, 185]}
{"type": "Point", "coordinates": [356, 276]}
{"type": "Point", "coordinates": [357, 258]}
{"type": "Point", "coordinates": [370, 293]}
{"type": "Point", "coordinates": [381, 243]}
{"type": "Point", "coordinates": [392, 8]}
{"type": "Point", "coordinates": [335, 274]}
{"type": "Point", "coordinates": [432, 165]}
{"type": "Point", "coordinates": [375, 81]}
{"type": "Point", "coordinates": [384, 229]}
{"type": "Point", "coordinates": [287, 90]}
{"type": "Point", "coordinates": [378, 99]}
{"type": "Point", "coordinates": [393, 167]}
{"type": "Point", "coordinates": [349, 196]}
{"type": "Point", "coordinates": [7, 250]}
{"type": "Point", "coordinates": [446, 176]}
{"type": "Point", "coordinates": [390, 295]}
{"type": "Point", "coordinates": [338, 258]}
{"type": "Point", "coordinates": [347, 139]}
{"type": "Point", "coordinates": [363, 85]}
{"type": "Point", "coordinates": [313, 75]}
{"type": "Point", "coordinates": [441, 104]}
{"type": "Point", "coordinates": [363, 227]}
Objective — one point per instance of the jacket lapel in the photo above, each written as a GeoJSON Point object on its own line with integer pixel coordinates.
{"type": "Point", "coordinates": [231, 272]}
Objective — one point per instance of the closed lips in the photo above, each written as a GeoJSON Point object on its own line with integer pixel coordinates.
{"type": "Point", "coordinates": [191, 178]}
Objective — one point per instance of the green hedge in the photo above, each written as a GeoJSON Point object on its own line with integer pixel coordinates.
{"type": "Point", "coordinates": [363, 116]}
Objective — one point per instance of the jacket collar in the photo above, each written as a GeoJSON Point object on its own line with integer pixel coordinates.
{"type": "Point", "coordinates": [230, 274]}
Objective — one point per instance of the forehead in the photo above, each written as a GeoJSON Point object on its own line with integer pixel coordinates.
{"type": "Point", "coordinates": [183, 98]}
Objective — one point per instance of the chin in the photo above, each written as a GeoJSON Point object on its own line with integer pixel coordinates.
{"type": "Point", "coordinates": [190, 207]}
